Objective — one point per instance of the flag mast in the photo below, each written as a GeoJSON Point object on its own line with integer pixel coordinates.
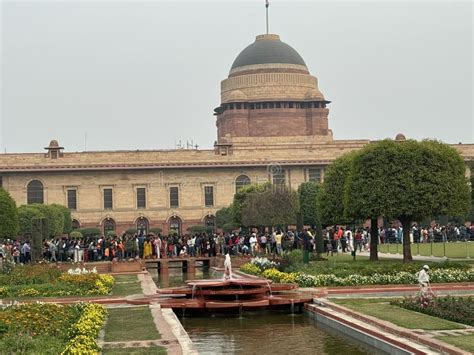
{"type": "Point", "coordinates": [266, 10]}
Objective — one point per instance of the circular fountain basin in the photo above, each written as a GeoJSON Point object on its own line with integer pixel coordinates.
{"type": "Point", "coordinates": [208, 283]}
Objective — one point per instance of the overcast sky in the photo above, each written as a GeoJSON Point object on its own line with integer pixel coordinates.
{"type": "Point", "coordinates": [143, 75]}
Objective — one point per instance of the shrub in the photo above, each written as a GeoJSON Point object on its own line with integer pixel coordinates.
{"type": "Point", "coordinates": [67, 220]}
{"type": "Point", "coordinates": [26, 214]}
{"type": "Point", "coordinates": [131, 231]}
{"type": "Point", "coordinates": [8, 215]}
{"type": "Point", "coordinates": [155, 230]}
{"type": "Point", "coordinates": [75, 234]}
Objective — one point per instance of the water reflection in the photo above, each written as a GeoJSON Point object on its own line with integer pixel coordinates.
{"type": "Point", "coordinates": [265, 333]}
{"type": "Point", "coordinates": [259, 332]}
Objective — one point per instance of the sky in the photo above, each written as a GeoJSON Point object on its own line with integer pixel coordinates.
{"type": "Point", "coordinates": [107, 75]}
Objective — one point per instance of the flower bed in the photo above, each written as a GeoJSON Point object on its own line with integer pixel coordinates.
{"type": "Point", "coordinates": [306, 280]}
{"type": "Point", "coordinates": [49, 328]}
{"type": "Point", "coordinates": [46, 281]}
{"type": "Point", "coordinates": [459, 309]}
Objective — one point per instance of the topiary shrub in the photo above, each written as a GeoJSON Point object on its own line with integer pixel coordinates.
{"type": "Point", "coordinates": [131, 231]}
{"type": "Point", "coordinates": [75, 234]}
{"type": "Point", "coordinates": [155, 230]}
{"type": "Point", "coordinates": [26, 214]}
{"type": "Point", "coordinates": [8, 215]}
{"type": "Point", "coordinates": [90, 231]}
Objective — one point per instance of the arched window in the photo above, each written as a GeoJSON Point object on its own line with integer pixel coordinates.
{"type": "Point", "coordinates": [34, 192]}
{"type": "Point", "coordinates": [210, 221]}
{"type": "Point", "coordinates": [109, 225]}
{"type": "Point", "coordinates": [142, 225]}
{"type": "Point", "coordinates": [75, 224]}
{"type": "Point", "coordinates": [241, 181]}
{"type": "Point", "coordinates": [175, 225]}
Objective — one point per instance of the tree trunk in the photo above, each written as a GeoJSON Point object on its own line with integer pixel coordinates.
{"type": "Point", "coordinates": [406, 224]}
{"type": "Point", "coordinates": [374, 240]}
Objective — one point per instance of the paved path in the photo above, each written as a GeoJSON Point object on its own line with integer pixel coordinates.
{"type": "Point", "coordinates": [415, 257]}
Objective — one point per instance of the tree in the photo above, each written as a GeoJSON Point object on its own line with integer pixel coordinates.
{"type": "Point", "coordinates": [333, 190]}
{"type": "Point", "coordinates": [67, 219]}
{"type": "Point", "coordinates": [26, 214]}
{"type": "Point", "coordinates": [224, 218]}
{"type": "Point", "coordinates": [8, 215]}
{"type": "Point", "coordinates": [275, 207]}
{"type": "Point", "coordinates": [310, 210]}
{"type": "Point", "coordinates": [54, 216]}
{"type": "Point", "coordinates": [240, 197]}
{"type": "Point", "coordinates": [407, 180]}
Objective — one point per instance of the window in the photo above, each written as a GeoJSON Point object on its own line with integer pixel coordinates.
{"type": "Point", "coordinates": [174, 226]}
{"type": "Point", "coordinates": [72, 199]}
{"type": "Point", "coordinates": [239, 106]}
{"type": "Point", "coordinates": [141, 197]}
{"type": "Point", "coordinates": [108, 199]}
{"type": "Point", "coordinates": [35, 192]}
{"type": "Point", "coordinates": [209, 196]}
{"type": "Point", "coordinates": [241, 182]}
{"type": "Point", "coordinates": [279, 177]}
{"type": "Point", "coordinates": [314, 174]}
{"type": "Point", "coordinates": [75, 224]}
{"type": "Point", "coordinates": [174, 197]}
{"type": "Point", "coordinates": [109, 225]}
{"type": "Point", "coordinates": [142, 225]}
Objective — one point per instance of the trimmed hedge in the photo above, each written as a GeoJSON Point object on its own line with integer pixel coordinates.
{"type": "Point", "coordinates": [8, 215]}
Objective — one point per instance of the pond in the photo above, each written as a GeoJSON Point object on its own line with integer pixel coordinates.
{"type": "Point", "coordinates": [258, 332]}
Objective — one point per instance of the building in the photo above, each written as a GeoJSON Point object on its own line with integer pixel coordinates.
{"type": "Point", "coordinates": [272, 125]}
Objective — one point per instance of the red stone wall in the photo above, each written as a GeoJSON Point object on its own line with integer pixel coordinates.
{"type": "Point", "coordinates": [273, 122]}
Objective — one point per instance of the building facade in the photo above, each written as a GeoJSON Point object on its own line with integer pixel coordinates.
{"type": "Point", "coordinates": [272, 125]}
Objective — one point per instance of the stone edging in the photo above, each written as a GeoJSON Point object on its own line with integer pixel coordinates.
{"type": "Point", "coordinates": [394, 329]}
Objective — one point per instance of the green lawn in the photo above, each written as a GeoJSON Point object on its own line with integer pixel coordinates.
{"type": "Point", "coordinates": [451, 250]}
{"type": "Point", "coordinates": [465, 342]}
{"type": "Point", "coordinates": [343, 265]}
{"type": "Point", "coordinates": [131, 323]}
{"type": "Point", "coordinates": [380, 308]}
{"type": "Point", "coordinates": [152, 350]}
{"type": "Point", "coordinates": [126, 285]}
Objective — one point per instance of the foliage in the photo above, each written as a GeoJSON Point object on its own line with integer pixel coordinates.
{"type": "Point", "coordinates": [54, 216]}
{"type": "Point", "coordinates": [49, 328]}
{"type": "Point", "coordinates": [306, 280]}
{"type": "Point", "coordinates": [264, 263]}
{"type": "Point", "coordinates": [131, 231]}
{"type": "Point", "coordinates": [309, 206]}
{"type": "Point", "coordinates": [422, 179]}
{"type": "Point", "coordinates": [46, 281]}
{"type": "Point", "coordinates": [459, 309]}
{"type": "Point", "coordinates": [26, 214]}
{"type": "Point", "coordinates": [89, 231]}
{"type": "Point", "coordinates": [333, 190]}
{"type": "Point", "coordinates": [75, 234]}
{"type": "Point", "coordinates": [200, 229]}
{"type": "Point", "coordinates": [8, 215]}
{"type": "Point", "coordinates": [111, 234]}
{"type": "Point", "coordinates": [156, 230]}
{"type": "Point", "coordinates": [240, 198]}
{"type": "Point", "coordinates": [224, 218]}
{"type": "Point", "coordinates": [277, 206]}
{"type": "Point", "coordinates": [84, 332]}
{"type": "Point", "coordinates": [67, 219]}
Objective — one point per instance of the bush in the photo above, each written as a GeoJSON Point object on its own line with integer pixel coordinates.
{"type": "Point", "coordinates": [54, 216]}
{"type": "Point", "coordinates": [200, 229]}
{"type": "Point", "coordinates": [75, 234]}
{"type": "Point", "coordinates": [155, 230]}
{"type": "Point", "coordinates": [26, 214]}
{"type": "Point", "coordinates": [8, 215]}
{"type": "Point", "coordinates": [67, 219]}
{"type": "Point", "coordinates": [460, 309]}
{"type": "Point", "coordinates": [131, 231]}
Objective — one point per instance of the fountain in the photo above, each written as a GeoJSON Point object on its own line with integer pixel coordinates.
{"type": "Point", "coordinates": [232, 292]}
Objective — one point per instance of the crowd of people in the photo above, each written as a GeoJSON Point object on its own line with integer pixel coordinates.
{"type": "Point", "coordinates": [147, 246]}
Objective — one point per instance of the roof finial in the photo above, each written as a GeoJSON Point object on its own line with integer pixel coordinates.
{"type": "Point", "coordinates": [266, 9]}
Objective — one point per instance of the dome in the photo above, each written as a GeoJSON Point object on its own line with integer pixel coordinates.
{"type": "Point", "coordinates": [268, 49]}
{"type": "Point", "coordinates": [400, 137]}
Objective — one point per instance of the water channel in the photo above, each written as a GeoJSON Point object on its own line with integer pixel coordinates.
{"type": "Point", "coordinates": [258, 332]}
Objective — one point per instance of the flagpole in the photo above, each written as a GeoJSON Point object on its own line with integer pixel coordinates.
{"type": "Point", "coordinates": [266, 10]}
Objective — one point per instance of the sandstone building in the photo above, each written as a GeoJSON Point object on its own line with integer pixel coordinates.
{"type": "Point", "coordinates": [272, 125]}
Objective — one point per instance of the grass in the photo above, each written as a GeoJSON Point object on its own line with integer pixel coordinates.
{"type": "Point", "coordinates": [380, 308]}
{"type": "Point", "coordinates": [152, 350]}
{"type": "Point", "coordinates": [451, 250]}
{"type": "Point", "coordinates": [465, 342]}
{"type": "Point", "coordinates": [126, 285]}
{"type": "Point", "coordinates": [133, 323]}
{"type": "Point", "coordinates": [343, 265]}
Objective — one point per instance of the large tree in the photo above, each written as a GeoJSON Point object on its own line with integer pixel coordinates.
{"type": "Point", "coordinates": [240, 197]}
{"type": "Point", "coordinates": [310, 210]}
{"type": "Point", "coordinates": [333, 190]}
{"type": "Point", "coordinates": [8, 215]}
{"type": "Point", "coordinates": [408, 181]}
{"type": "Point", "coordinates": [274, 207]}
{"type": "Point", "coordinates": [224, 219]}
